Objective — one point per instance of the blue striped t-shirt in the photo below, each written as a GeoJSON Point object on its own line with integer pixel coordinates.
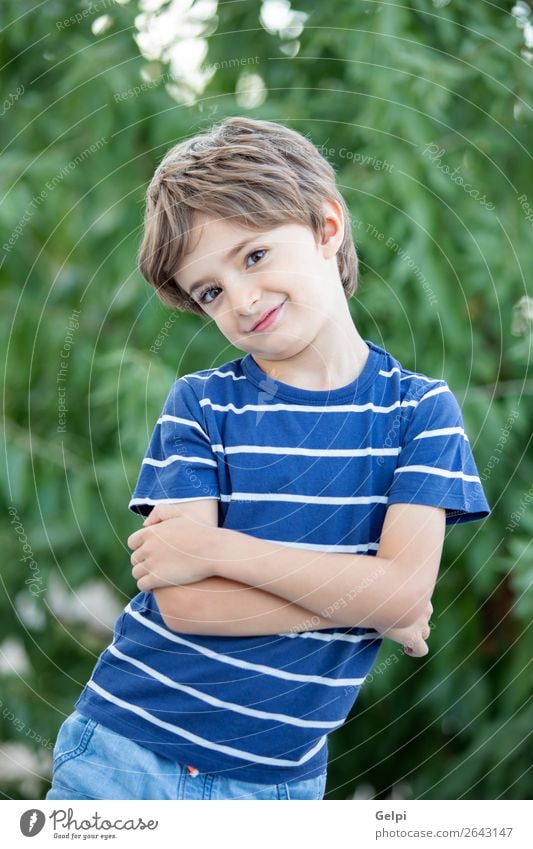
{"type": "Point", "coordinates": [303, 468]}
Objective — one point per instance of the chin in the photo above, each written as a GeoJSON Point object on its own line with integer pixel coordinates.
{"type": "Point", "coordinates": [279, 355]}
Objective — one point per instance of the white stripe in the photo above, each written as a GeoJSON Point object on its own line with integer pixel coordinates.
{"type": "Point", "coordinates": [173, 458]}
{"type": "Point", "coordinates": [382, 372]}
{"type": "Point", "coordinates": [436, 391]}
{"type": "Point", "coordinates": [243, 664]}
{"type": "Point", "coordinates": [218, 373]}
{"type": "Point", "coordinates": [338, 635]}
{"type": "Point", "coordinates": [201, 741]}
{"type": "Point", "coordinates": [304, 499]}
{"type": "Point", "coordinates": [212, 700]}
{"type": "Point", "coordinates": [443, 473]}
{"type": "Point", "coordinates": [306, 408]}
{"type": "Point", "coordinates": [412, 375]}
{"type": "Point", "coordinates": [422, 377]}
{"type": "Point", "coordinates": [152, 501]}
{"type": "Point", "coordinates": [166, 417]}
{"type": "Point", "coordinates": [312, 546]}
{"type": "Point", "coordinates": [441, 431]}
{"type": "Point", "coordinates": [316, 408]}
{"type": "Point", "coordinates": [307, 452]}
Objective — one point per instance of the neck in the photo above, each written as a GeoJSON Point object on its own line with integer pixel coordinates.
{"type": "Point", "coordinates": [334, 361]}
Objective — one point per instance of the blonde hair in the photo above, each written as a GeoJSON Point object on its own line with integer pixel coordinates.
{"type": "Point", "coordinates": [257, 173]}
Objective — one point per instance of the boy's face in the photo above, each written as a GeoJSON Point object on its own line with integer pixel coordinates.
{"type": "Point", "coordinates": [238, 275]}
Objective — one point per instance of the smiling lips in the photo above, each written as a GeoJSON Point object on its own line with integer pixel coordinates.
{"type": "Point", "coordinates": [267, 319]}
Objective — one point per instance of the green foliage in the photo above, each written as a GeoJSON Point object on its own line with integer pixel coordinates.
{"type": "Point", "coordinates": [411, 103]}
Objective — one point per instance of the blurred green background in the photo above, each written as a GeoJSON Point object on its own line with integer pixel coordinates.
{"type": "Point", "coordinates": [424, 111]}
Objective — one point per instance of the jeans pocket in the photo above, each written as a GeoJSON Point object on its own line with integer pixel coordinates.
{"type": "Point", "coordinates": [309, 788]}
{"type": "Point", "coordinates": [73, 738]}
{"type": "Point", "coordinates": [322, 785]}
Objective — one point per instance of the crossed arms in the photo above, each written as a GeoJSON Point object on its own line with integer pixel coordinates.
{"type": "Point", "coordinates": [211, 580]}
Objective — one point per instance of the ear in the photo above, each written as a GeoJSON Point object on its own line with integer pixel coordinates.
{"type": "Point", "coordinates": [333, 228]}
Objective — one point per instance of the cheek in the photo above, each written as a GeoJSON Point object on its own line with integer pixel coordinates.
{"type": "Point", "coordinates": [223, 319]}
{"type": "Point", "coordinates": [228, 327]}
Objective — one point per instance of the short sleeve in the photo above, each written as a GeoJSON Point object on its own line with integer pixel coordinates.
{"type": "Point", "coordinates": [436, 465]}
{"type": "Point", "coordinates": [179, 464]}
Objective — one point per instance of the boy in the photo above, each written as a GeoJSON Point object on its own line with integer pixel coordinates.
{"type": "Point", "coordinates": [296, 496]}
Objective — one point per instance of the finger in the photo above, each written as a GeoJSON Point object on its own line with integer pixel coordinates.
{"type": "Point", "coordinates": [418, 648]}
{"type": "Point", "coordinates": [136, 539]}
{"type": "Point", "coordinates": [424, 649]}
{"type": "Point", "coordinates": [421, 648]}
{"type": "Point", "coordinates": [137, 557]}
{"type": "Point", "coordinates": [162, 512]}
{"type": "Point", "coordinates": [139, 571]}
{"type": "Point", "coordinates": [153, 517]}
{"type": "Point", "coordinates": [150, 582]}
{"type": "Point", "coordinates": [151, 520]}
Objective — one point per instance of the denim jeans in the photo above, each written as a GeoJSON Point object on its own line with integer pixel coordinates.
{"type": "Point", "coordinates": [92, 762]}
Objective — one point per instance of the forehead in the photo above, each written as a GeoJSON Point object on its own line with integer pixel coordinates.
{"type": "Point", "coordinates": [212, 239]}
{"type": "Point", "coordinates": [207, 232]}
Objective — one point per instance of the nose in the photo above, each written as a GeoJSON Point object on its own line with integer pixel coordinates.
{"type": "Point", "coordinates": [243, 295]}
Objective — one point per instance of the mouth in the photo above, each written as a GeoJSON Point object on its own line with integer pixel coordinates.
{"type": "Point", "coordinates": [268, 319]}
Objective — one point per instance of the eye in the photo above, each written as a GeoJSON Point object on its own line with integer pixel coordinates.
{"type": "Point", "coordinates": [255, 253]}
{"type": "Point", "coordinates": [205, 292]}
{"type": "Point", "coordinates": [202, 297]}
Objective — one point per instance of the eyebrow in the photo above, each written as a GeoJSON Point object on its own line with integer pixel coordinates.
{"type": "Point", "coordinates": [229, 255]}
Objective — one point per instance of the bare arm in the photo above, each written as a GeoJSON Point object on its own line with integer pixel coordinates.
{"type": "Point", "coordinates": [389, 590]}
{"type": "Point", "coordinates": [229, 608]}
{"type": "Point", "coordinates": [219, 605]}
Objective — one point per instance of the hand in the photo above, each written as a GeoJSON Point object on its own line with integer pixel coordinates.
{"type": "Point", "coordinates": [171, 551]}
{"type": "Point", "coordinates": [413, 638]}
{"type": "Point", "coordinates": [161, 512]}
